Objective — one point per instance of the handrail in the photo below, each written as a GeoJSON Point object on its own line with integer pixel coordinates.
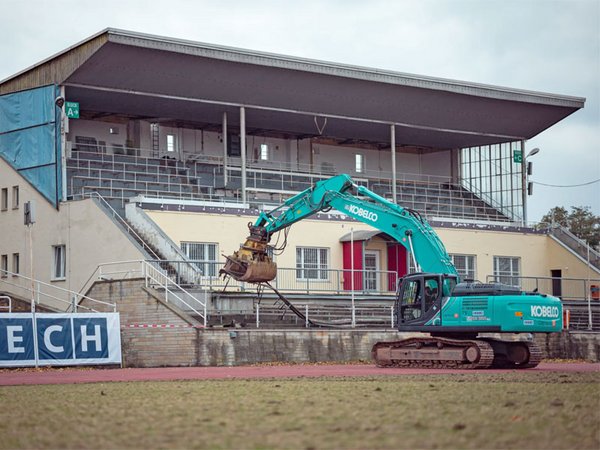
{"type": "Point", "coordinates": [165, 283]}
{"type": "Point", "coordinates": [123, 222]}
{"type": "Point", "coordinates": [74, 295]}
{"type": "Point", "coordinates": [9, 307]}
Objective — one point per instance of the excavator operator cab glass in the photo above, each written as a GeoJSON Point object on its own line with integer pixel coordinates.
{"type": "Point", "coordinates": [448, 286]}
{"type": "Point", "coordinates": [419, 295]}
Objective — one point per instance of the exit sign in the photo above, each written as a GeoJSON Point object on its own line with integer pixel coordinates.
{"type": "Point", "coordinates": [72, 110]}
{"type": "Point", "coordinates": [517, 156]}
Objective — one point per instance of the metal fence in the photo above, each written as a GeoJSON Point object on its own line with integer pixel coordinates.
{"type": "Point", "coordinates": [580, 296]}
{"type": "Point", "coordinates": [302, 279]}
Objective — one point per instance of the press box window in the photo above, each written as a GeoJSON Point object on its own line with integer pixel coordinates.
{"type": "Point", "coordinates": [59, 262]}
{"type": "Point", "coordinates": [15, 197]}
{"type": "Point", "coordinates": [359, 163]}
{"type": "Point", "coordinates": [264, 152]}
{"type": "Point", "coordinates": [171, 142]}
{"type": "Point", "coordinates": [4, 199]}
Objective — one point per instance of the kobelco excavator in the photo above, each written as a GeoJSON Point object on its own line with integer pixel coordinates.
{"type": "Point", "coordinates": [456, 315]}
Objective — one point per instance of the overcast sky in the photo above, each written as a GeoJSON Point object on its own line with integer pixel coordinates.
{"type": "Point", "coordinates": [549, 46]}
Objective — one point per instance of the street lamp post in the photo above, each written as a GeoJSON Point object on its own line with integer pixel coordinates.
{"type": "Point", "coordinates": [524, 174]}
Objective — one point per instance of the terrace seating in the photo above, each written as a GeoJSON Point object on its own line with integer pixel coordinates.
{"type": "Point", "coordinates": [118, 177]}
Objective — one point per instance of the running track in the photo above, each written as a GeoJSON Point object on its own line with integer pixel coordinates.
{"type": "Point", "coordinates": [70, 376]}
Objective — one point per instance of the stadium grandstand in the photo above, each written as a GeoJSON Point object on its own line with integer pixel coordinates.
{"type": "Point", "coordinates": [133, 155]}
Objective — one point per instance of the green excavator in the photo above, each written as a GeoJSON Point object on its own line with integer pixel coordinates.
{"type": "Point", "coordinates": [470, 325]}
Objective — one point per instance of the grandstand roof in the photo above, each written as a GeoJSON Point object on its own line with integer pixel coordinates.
{"type": "Point", "coordinates": [159, 78]}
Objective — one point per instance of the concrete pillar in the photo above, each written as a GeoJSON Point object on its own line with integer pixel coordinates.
{"type": "Point", "coordinates": [224, 134]}
{"type": "Point", "coordinates": [243, 150]}
{"type": "Point", "coordinates": [393, 151]}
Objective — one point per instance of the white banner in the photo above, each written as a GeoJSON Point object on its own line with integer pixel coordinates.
{"type": "Point", "coordinates": [43, 339]}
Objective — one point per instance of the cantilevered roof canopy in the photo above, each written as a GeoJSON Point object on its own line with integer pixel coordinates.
{"type": "Point", "coordinates": [152, 77]}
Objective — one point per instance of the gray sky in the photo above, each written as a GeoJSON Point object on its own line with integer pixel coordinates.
{"type": "Point", "coordinates": [549, 46]}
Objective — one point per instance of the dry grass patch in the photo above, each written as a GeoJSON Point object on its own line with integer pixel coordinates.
{"type": "Point", "coordinates": [513, 410]}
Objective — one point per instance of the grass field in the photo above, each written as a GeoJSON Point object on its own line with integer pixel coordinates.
{"type": "Point", "coordinates": [513, 410]}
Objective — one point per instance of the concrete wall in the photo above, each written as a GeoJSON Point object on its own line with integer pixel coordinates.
{"type": "Point", "coordinates": [87, 232]}
{"type": "Point", "coordinates": [175, 344]}
{"type": "Point", "coordinates": [178, 341]}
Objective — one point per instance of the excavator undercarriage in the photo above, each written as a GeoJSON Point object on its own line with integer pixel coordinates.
{"type": "Point", "coordinates": [447, 353]}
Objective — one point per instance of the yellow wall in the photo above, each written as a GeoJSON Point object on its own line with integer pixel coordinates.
{"type": "Point", "coordinates": [539, 253]}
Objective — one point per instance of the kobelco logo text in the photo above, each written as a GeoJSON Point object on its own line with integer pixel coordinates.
{"type": "Point", "coordinates": [363, 213]}
{"type": "Point", "coordinates": [544, 311]}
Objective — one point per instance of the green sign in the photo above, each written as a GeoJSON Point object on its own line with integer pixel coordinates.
{"type": "Point", "coordinates": [517, 156]}
{"type": "Point", "coordinates": [72, 110]}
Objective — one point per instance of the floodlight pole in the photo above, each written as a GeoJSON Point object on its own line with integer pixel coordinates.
{"type": "Point", "coordinates": [524, 182]}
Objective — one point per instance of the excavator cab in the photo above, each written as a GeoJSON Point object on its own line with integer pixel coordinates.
{"type": "Point", "coordinates": [420, 296]}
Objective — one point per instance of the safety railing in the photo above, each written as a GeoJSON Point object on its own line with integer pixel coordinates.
{"type": "Point", "coordinates": [117, 217]}
{"type": "Point", "coordinates": [579, 295]}
{"type": "Point", "coordinates": [303, 280]}
{"type": "Point", "coordinates": [154, 276]}
{"type": "Point", "coordinates": [175, 293]}
{"type": "Point", "coordinates": [351, 315]}
{"type": "Point", "coordinates": [8, 306]}
{"type": "Point", "coordinates": [60, 298]}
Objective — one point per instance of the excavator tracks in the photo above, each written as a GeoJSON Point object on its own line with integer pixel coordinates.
{"type": "Point", "coordinates": [434, 353]}
{"type": "Point", "coordinates": [444, 353]}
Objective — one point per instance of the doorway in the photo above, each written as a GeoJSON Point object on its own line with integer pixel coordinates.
{"type": "Point", "coordinates": [372, 270]}
{"type": "Point", "coordinates": [556, 275]}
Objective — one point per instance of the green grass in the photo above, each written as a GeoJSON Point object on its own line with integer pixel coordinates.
{"type": "Point", "coordinates": [513, 410]}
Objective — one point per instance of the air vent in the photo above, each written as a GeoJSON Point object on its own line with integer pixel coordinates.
{"type": "Point", "coordinates": [471, 304]}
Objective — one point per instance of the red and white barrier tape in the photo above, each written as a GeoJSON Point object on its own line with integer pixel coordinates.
{"type": "Point", "coordinates": [160, 325]}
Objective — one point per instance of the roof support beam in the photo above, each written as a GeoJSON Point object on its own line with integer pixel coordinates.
{"type": "Point", "coordinates": [503, 137]}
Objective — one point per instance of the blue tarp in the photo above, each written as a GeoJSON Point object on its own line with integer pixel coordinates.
{"type": "Point", "coordinates": [30, 138]}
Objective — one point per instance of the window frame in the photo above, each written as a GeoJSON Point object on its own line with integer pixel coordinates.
{"type": "Point", "coordinates": [473, 268]}
{"type": "Point", "coordinates": [359, 163]}
{"type": "Point", "coordinates": [207, 266]}
{"type": "Point", "coordinates": [501, 276]}
{"type": "Point", "coordinates": [4, 199]}
{"type": "Point", "coordinates": [263, 153]}
{"type": "Point", "coordinates": [4, 266]}
{"type": "Point", "coordinates": [15, 197]}
{"type": "Point", "coordinates": [16, 264]}
{"type": "Point", "coordinates": [321, 269]}
{"type": "Point", "coordinates": [59, 249]}
{"type": "Point", "coordinates": [171, 143]}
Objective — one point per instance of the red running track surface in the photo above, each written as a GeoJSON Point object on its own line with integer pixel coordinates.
{"type": "Point", "coordinates": [69, 376]}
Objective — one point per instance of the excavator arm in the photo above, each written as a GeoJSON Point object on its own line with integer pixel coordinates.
{"type": "Point", "coordinates": [252, 264]}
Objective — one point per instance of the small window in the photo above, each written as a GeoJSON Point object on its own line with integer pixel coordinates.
{"type": "Point", "coordinates": [203, 255]}
{"type": "Point", "coordinates": [4, 266]}
{"type": "Point", "coordinates": [170, 142]}
{"type": "Point", "coordinates": [15, 197]}
{"type": "Point", "coordinates": [359, 163]}
{"type": "Point", "coordinates": [59, 262]}
{"type": "Point", "coordinates": [264, 152]}
{"type": "Point", "coordinates": [507, 269]}
{"type": "Point", "coordinates": [4, 200]}
{"type": "Point", "coordinates": [465, 266]}
{"type": "Point", "coordinates": [15, 265]}
{"type": "Point", "coordinates": [312, 263]}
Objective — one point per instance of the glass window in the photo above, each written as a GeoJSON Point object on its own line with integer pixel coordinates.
{"type": "Point", "coordinates": [411, 301]}
{"type": "Point", "coordinates": [170, 142]}
{"type": "Point", "coordinates": [312, 263]}
{"type": "Point", "coordinates": [15, 265]}
{"type": "Point", "coordinates": [4, 265]}
{"type": "Point", "coordinates": [465, 265]}
{"type": "Point", "coordinates": [432, 290]}
{"type": "Point", "coordinates": [359, 163]}
{"type": "Point", "coordinates": [203, 255]}
{"type": "Point", "coordinates": [264, 152]}
{"type": "Point", "coordinates": [4, 200]}
{"type": "Point", "coordinates": [59, 262]}
{"type": "Point", "coordinates": [507, 269]}
{"type": "Point", "coordinates": [15, 197]}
